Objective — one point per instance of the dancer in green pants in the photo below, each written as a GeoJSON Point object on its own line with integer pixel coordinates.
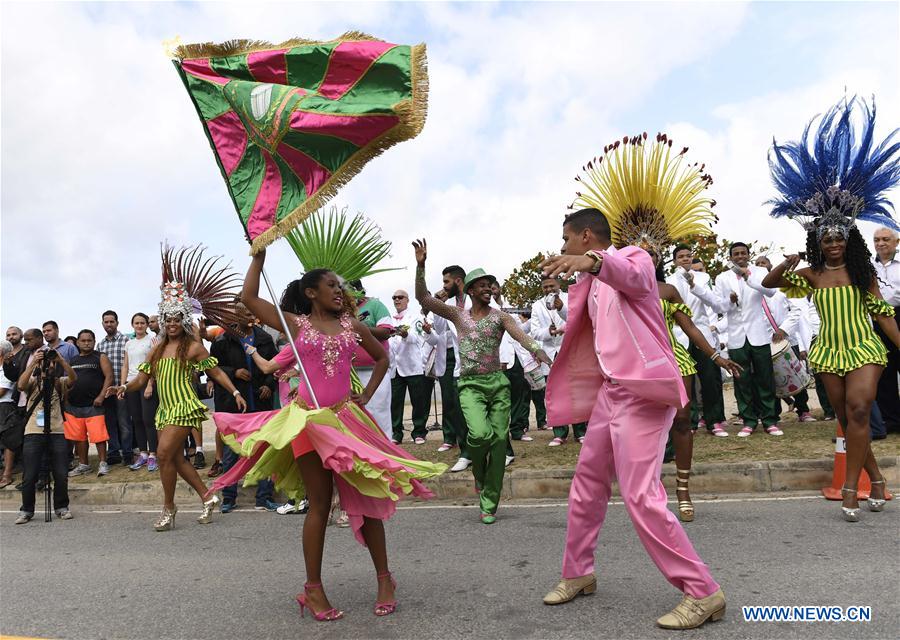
{"type": "Point", "coordinates": [483, 389]}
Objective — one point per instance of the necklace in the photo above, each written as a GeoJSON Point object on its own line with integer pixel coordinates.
{"type": "Point", "coordinates": [840, 266]}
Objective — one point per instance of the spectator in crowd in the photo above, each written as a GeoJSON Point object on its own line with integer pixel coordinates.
{"type": "Point", "coordinates": [256, 387]}
{"type": "Point", "coordinates": [377, 318]}
{"type": "Point", "coordinates": [887, 268]}
{"type": "Point", "coordinates": [13, 366]}
{"type": "Point", "coordinates": [791, 325]}
{"type": "Point", "coordinates": [85, 422]}
{"type": "Point", "coordinates": [738, 294]}
{"type": "Point", "coordinates": [72, 340]}
{"type": "Point", "coordinates": [141, 405]}
{"type": "Point", "coordinates": [118, 425]}
{"type": "Point", "coordinates": [153, 324]}
{"type": "Point", "coordinates": [51, 336]}
{"type": "Point", "coordinates": [697, 265]}
{"type": "Point", "coordinates": [453, 422]}
{"type": "Point", "coordinates": [548, 325]}
{"type": "Point", "coordinates": [710, 412]}
{"type": "Point", "coordinates": [7, 406]}
{"type": "Point", "coordinates": [44, 382]}
{"type": "Point", "coordinates": [406, 350]}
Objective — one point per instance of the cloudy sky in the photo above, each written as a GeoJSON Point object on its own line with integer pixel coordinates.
{"type": "Point", "coordinates": [103, 156]}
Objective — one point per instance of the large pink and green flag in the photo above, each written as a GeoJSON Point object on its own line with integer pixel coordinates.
{"type": "Point", "coordinates": [291, 123]}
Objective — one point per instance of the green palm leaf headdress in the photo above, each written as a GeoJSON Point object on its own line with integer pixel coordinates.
{"type": "Point", "coordinates": [349, 246]}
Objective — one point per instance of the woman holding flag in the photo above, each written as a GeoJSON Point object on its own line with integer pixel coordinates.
{"type": "Point", "coordinates": [326, 430]}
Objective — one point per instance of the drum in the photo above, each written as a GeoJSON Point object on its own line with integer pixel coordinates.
{"type": "Point", "coordinates": [791, 374]}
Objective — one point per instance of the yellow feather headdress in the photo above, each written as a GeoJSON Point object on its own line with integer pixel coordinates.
{"type": "Point", "coordinates": [650, 196]}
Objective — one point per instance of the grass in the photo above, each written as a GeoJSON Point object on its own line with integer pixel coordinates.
{"type": "Point", "coordinates": [808, 440]}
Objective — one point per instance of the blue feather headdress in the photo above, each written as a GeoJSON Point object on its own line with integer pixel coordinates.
{"type": "Point", "coordinates": [835, 175]}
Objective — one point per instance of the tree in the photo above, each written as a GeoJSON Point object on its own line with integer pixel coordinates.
{"type": "Point", "coordinates": [523, 286]}
{"type": "Point", "coordinates": [714, 253]}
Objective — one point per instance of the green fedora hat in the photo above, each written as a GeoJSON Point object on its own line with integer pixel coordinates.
{"type": "Point", "coordinates": [472, 276]}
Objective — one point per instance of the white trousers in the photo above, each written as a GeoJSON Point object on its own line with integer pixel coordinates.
{"type": "Point", "coordinates": [380, 404]}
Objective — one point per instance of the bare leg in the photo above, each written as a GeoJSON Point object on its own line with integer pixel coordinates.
{"type": "Point", "coordinates": [852, 397]}
{"type": "Point", "coordinates": [220, 447]}
{"type": "Point", "coordinates": [373, 533]}
{"type": "Point", "coordinates": [169, 450]}
{"type": "Point", "coordinates": [683, 440]}
{"type": "Point", "coordinates": [81, 450]}
{"type": "Point", "coordinates": [318, 481]}
{"type": "Point", "coordinates": [187, 471]}
{"type": "Point", "coordinates": [862, 385]}
{"type": "Point", "coordinates": [101, 451]}
{"type": "Point", "coordinates": [9, 459]}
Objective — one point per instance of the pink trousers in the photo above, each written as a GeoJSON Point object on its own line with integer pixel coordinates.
{"type": "Point", "coordinates": [625, 439]}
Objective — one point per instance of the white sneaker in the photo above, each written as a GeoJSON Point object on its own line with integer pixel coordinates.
{"type": "Point", "coordinates": [556, 442]}
{"type": "Point", "coordinates": [445, 447]}
{"type": "Point", "coordinates": [80, 470]}
{"type": "Point", "coordinates": [64, 514]}
{"type": "Point", "coordinates": [461, 465]}
{"type": "Point", "coordinates": [103, 469]}
{"type": "Point", "coordinates": [509, 460]}
{"type": "Point", "coordinates": [526, 439]}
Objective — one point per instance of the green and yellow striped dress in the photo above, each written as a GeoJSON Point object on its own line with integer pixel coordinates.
{"type": "Point", "coordinates": [846, 340]}
{"type": "Point", "coordinates": [178, 402]}
{"type": "Point", "coordinates": [686, 363]}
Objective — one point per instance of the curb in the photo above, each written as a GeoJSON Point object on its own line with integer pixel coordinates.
{"type": "Point", "coordinates": [707, 480]}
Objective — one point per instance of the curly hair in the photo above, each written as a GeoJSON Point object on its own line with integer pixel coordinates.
{"type": "Point", "coordinates": [857, 257]}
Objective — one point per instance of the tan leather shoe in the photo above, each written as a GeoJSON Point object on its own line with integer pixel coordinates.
{"type": "Point", "coordinates": [569, 588]}
{"type": "Point", "coordinates": [691, 612]}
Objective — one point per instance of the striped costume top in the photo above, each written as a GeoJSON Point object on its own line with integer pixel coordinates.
{"type": "Point", "coordinates": [685, 362]}
{"type": "Point", "coordinates": [846, 340]}
{"type": "Point", "coordinates": [178, 402]}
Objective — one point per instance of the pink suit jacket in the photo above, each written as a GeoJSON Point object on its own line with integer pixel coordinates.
{"type": "Point", "coordinates": [630, 345]}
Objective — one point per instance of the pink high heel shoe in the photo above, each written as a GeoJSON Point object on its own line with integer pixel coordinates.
{"type": "Point", "coordinates": [386, 608]}
{"type": "Point", "coordinates": [324, 616]}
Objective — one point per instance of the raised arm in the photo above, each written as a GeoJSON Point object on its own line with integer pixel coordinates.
{"type": "Point", "coordinates": [514, 329]}
{"type": "Point", "coordinates": [775, 278]}
{"type": "Point", "coordinates": [629, 271]}
{"type": "Point", "coordinates": [263, 309]}
{"type": "Point", "coordinates": [687, 325]}
{"type": "Point", "coordinates": [427, 301]}
{"type": "Point", "coordinates": [754, 281]}
{"type": "Point", "coordinates": [882, 313]}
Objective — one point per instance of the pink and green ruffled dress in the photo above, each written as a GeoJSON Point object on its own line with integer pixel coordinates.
{"type": "Point", "coordinates": [371, 472]}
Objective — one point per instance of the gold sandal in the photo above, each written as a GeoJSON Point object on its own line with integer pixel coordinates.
{"type": "Point", "coordinates": [685, 507]}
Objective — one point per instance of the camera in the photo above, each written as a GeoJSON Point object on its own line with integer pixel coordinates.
{"type": "Point", "coordinates": [50, 354]}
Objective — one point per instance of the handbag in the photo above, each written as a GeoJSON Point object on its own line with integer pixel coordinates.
{"type": "Point", "coordinates": [12, 428]}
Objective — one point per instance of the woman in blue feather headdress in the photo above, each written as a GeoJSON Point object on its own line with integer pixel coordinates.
{"type": "Point", "coordinates": [828, 180]}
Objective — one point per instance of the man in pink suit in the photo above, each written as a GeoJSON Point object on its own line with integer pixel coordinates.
{"type": "Point", "coordinates": [616, 370]}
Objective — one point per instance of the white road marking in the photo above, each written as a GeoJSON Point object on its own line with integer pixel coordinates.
{"type": "Point", "coordinates": [505, 505]}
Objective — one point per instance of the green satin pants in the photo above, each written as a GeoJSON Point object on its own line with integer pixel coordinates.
{"type": "Point", "coordinates": [485, 403]}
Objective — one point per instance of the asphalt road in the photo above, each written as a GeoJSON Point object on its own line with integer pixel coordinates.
{"type": "Point", "coordinates": [109, 575]}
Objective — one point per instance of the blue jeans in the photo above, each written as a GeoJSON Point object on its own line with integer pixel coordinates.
{"type": "Point", "coordinates": [229, 494]}
{"type": "Point", "coordinates": [876, 424]}
{"type": "Point", "coordinates": [118, 426]}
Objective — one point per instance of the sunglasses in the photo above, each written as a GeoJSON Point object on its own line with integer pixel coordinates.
{"type": "Point", "coordinates": [397, 297]}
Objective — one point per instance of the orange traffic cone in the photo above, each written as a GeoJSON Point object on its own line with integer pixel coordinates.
{"type": "Point", "coordinates": [839, 474]}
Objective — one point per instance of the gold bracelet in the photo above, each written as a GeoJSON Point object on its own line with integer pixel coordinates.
{"type": "Point", "coordinates": [598, 260]}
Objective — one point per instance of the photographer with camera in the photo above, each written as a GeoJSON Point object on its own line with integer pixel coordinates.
{"type": "Point", "coordinates": [44, 383]}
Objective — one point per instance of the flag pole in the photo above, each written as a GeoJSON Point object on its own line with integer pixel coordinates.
{"type": "Point", "coordinates": [287, 333]}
